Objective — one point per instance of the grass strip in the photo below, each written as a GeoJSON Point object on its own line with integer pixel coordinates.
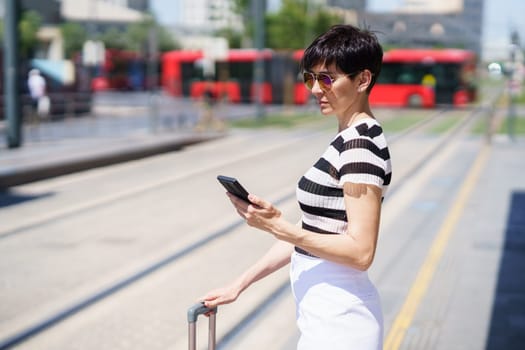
{"type": "Point", "coordinates": [445, 124]}
{"type": "Point", "coordinates": [285, 121]}
{"type": "Point", "coordinates": [401, 123]}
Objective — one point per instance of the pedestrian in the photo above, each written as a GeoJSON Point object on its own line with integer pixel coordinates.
{"type": "Point", "coordinates": [208, 119]}
{"type": "Point", "coordinates": [37, 90]}
{"type": "Point", "coordinates": [340, 196]}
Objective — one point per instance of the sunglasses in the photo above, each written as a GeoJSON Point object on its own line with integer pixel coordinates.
{"type": "Point", "coordinates": [324, 79]}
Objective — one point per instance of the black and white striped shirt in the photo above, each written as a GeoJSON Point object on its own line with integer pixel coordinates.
{"type": "Point", "coordinates": [358, 154]}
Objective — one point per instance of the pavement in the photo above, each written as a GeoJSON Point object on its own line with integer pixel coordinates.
{"type": "Point", "coordinates": [121, 127]}
{"type": "Point", "coordinates": [467, 221]}
{"type": "Point", "coordinates": [58, 147]}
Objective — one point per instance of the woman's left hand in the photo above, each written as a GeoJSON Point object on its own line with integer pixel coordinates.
{"type": "Point", "coordinates": [258, 213]}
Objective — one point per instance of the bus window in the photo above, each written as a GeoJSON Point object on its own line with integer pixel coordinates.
{"type": "Point", "coordinates": [427, 76]}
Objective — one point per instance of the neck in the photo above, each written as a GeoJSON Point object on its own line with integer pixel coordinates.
{"type": "Point", "coordinates": [354, 115]}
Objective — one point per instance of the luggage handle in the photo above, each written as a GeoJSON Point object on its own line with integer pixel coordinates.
{"type": "Point", "coordinates": [193, 314]}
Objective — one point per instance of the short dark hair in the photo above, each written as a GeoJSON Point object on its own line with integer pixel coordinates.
{"type": "Point", "coordinates": [351, 49]}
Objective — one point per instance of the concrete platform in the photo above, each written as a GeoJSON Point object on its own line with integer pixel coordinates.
{"type": "Point", "coordinates": [62, 147]}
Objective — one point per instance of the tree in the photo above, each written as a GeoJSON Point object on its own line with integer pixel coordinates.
{"type": "Point", "coordinates": [74, 36]}
{"type": "Point", "coordinates": [296, 24]}
{"type": "Point", "coordinates": [234, 38]}
{"type": "Point", "coordinates": [114, 38]}
{"type": "Point", "coordinates": [243, 9]}
{"type": "Point", "coordinates": [166, 40]}
{"type": "Point", "coordinates": [293, 27]}
{"type": "Point", "coordinates": [137, 35]}
{"type": "Point", "coordinates": [28, 27]}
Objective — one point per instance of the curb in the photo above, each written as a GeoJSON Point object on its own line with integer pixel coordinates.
{"type": "Point", "coordinates": [30, 173]}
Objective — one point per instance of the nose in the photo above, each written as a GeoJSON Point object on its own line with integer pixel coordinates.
{"type": "Point", "coordinates": [316, 88]}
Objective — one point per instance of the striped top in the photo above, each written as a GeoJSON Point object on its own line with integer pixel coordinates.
{"type": "Point", "coordinates": [358, 154]}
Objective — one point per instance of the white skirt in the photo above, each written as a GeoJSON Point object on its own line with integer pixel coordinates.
{"type": "Point", "coordinates": [338, 308]}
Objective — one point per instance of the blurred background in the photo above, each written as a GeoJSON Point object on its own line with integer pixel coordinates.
{"type": "Point", "coordinates": [117, 115]}
{"type": "Point", "coordinates": [238, 51]}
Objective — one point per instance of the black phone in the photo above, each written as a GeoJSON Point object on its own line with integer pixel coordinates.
{"type": "Point", "coordinates": [233, 186]}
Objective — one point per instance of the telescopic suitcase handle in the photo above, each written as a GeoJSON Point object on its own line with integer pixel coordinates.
{"type": "Point", "coordinates": [193, 315]}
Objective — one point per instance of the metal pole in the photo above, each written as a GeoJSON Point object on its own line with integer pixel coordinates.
{"type": "Point", "coordinates": [152, 79]}
{"type": "Point", "coordinates": [259, 9]}
{"type": "Point", "coordinates": [514, 84]}
{"type": "Point", "coordinates": [11, 74]}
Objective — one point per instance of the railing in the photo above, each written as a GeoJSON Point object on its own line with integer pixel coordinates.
{"type": "Point", "coordinates": [62, 104]}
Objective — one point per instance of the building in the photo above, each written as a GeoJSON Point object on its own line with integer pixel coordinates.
{"type": "Point", "coordinates": [87, 12]}
{"type": "Point", "coordinates": [201, 17]}
{"type": "Point", "coordinates": [102, 12]}
{"type": "Point", "coordinates": [431, 23]}
{"type": "Point", "coordinates": [356, 5]}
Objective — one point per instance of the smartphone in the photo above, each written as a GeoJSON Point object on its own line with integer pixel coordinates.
{"type": "Point", "coordinates": [233, 186]}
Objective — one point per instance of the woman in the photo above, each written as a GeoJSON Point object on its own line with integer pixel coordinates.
{"type": "Point", "coordinates": [340, 196]}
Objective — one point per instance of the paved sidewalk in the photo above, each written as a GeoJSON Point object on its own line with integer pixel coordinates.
{"type": "Point", "coordinates": [473, 297]}
{"type": "Point", "coordinates": [60, 147]}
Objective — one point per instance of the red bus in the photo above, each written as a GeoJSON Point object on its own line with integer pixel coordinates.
{"type": "Point", "coordinates": [183, 74]}
{"type": "Point", "coordinates": [425, 78]}
{"type": "Point", "coordinates": [122, 70]}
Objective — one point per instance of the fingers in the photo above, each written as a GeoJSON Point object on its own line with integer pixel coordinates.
{"type": "Point", "coordinates": [236, 201]}
{"type": "Point", "coordinates": [261, 203]}
{"type": "Point", "coordinates": [210, 300]}
{"type": "Point", "coordinates": [218, 297]}
{"type": "Point", "coordinates": [257, 213]}
{"type": "Point", "coordinates": [211, 303]}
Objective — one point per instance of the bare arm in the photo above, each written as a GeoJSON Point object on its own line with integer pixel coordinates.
{"type": "Point", "coordinates": [355, 249]}
{"type": "Point", "coordinates": [276, 257]}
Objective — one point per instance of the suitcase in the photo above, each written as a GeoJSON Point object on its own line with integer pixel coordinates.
{"type": "Point", "coordinates": [193, 315]}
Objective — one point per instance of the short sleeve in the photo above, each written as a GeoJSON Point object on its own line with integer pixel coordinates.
{"type": "Point", "coordinates": [362, 161]}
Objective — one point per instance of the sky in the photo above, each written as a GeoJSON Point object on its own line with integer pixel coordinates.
{"type": "Point", "coordinates": [500, 17]}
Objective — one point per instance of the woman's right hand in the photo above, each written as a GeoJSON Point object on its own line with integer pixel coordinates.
{"type": "Point", "coordinates": [219, 296]}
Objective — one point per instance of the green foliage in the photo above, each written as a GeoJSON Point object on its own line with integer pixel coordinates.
{"type": "Point", "coordinates": [234, 38]}
{"type": "Point", "coordinates": [166, 40]}
{"type": "Point", "coordinates": [136, 37]}
{"type": "Point", "coordinates": [297, 23]}
{"type": "Point", "coordinates": [137, 34]}
{"type": "Point", "coordinates": [74, 36]}
{"type": "Point", "coordinates": [114, 39]}
{"type": "Point", "coordinates": [288, 27]}
{"type": "Point", "coordinates": [323, 20]}
{"type": "Point", "coordinates": [28, 26]}
{"type": "Point", "coordinates": [515, 126]}
{"type": "Point", "coordinates": [293, 27]}
{"type": "Point", "coordinates": [401, 123]}
{"type": "Point", "coordinates": [445, 124]}
{"type": "Point", "coordinates": [276, 121]}
{"type": "Point", "coordinates": [241, 6]}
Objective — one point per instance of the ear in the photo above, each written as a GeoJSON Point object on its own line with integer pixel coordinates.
{"type": "Point", "coordinates": [365, 78]}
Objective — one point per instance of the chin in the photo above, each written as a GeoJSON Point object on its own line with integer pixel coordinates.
{"type": "Point", "coordinates": [326, 111]}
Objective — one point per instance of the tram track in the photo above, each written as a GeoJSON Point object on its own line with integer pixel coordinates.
{"type": "Point", "coordinates": [17, 228]}
{"type": "Point", "coordinates": [183, 252]}
{"type": "Point", "coordinates": [31, 222]}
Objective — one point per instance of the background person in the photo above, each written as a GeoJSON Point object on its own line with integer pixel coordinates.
{"type": "Point", "coordinates": [37, 90]}
{"type": "Point", "coordinates": [210, 100]}
{"type": "Point", "coordinates": [340, 196]}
